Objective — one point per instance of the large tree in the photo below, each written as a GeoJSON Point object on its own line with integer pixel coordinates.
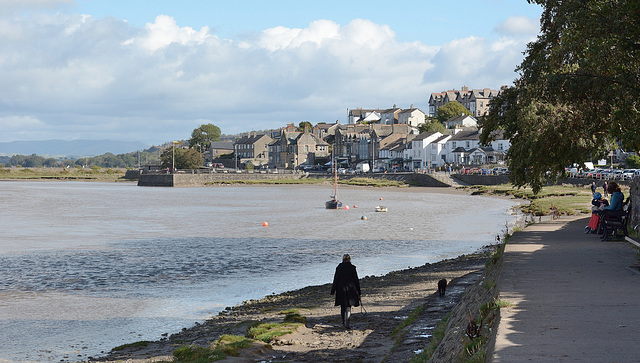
{"type": "Point", "coordinates": [578, 89]}
{"type": "Point", "coordinates": [451, 109]}
{"type": "Point", "coordinates": [305, 125]}
{"type": "Point", "coordinates": [202, 137]}
{"type": "Point", "coordinates": [184, 159]}
{"type": "Point", "coordinates": [432, 125]}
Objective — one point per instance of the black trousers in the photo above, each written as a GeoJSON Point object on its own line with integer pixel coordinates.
{"type": "Point", "coordinates": [345, 313]}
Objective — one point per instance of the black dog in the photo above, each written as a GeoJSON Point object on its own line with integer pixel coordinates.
{"type": "Point", "coordinates": [442, 287]}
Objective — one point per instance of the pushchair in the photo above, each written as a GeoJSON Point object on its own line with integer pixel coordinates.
{"type": "Point", "coordinates": [598, 203]}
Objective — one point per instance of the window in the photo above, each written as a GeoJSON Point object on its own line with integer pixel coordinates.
{"type": "Point", "coordinates": [468, 144]}
{"type": "Point", "coordinates": [453, 144]}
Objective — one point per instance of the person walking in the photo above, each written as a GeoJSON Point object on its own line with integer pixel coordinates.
{"type": "Point", "coordinates": [606, 189]}
{"type": "Point", "coordinates": [593, 188]}
{"type": "Point", "coordinates": [346, 287]}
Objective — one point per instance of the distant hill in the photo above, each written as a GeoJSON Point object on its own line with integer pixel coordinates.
{"type": "Point", "coordinates": [79, 148]}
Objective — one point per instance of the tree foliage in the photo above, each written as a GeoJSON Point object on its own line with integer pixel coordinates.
{"type": "Point", "coordinates": [451, 109]}
{"type": "Point", "coordinates": [305, 125]}
{"type": "Point", "coordinates": [432, 126]}
{"type": "Point", "coordinates": [633, 161]}
{"type": "Point", "coordinates": [202, 137]}
{"type": "Point", "coordinates": [184, 158]}
{"type": "Point", "coordinates": [577, 92]}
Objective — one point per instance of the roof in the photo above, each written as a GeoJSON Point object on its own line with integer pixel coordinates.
{"type": "Point", "coordinates": [442, 138]}
{"type": "Point", "coordinates": [424, 135]}
{"type": "Point", "coordinates": [466, 135]}
{"type": "Point", "coordinates": [460, 118]}
{"type": "Point", "coordinates": [411, 110]}
{"type": "Point", "coordinates": [250, 139]}
{"type": "Point", "coordinates": [228, 145]}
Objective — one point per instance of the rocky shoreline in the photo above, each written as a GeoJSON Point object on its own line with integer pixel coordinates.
{"type": "Point", "coordinates": [387, 300]}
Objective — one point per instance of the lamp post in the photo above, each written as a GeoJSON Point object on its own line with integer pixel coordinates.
{"type": "Point", "coordinates": [173, 156]}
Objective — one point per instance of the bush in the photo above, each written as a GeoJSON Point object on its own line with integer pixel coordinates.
{"type": "Point", "coordinates": [633, 161]}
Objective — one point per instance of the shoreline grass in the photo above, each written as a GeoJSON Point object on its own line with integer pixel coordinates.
{"type": "Point", "coordinates": [569, 200]}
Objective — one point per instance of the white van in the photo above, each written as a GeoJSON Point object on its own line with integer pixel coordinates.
{"type": "Point", "coordinates": [362, 168]}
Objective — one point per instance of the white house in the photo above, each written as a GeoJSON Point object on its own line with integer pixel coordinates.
{"type": "Point", "coordinates": [389, 116]}
{"type": "Point", "coordinates": [413, 117]}
{"type": "Point", "coordinates": [436, 151]}
{"type": "Point", "coordinates": [360, 115]}
{"type": "Point", "coordinates": [464, 148]}
{"type": "Point", "coordinates": [461, 121]}
{"type": "Point", "coordinates": [420, 158]}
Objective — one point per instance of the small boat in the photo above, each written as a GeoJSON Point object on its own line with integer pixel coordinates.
{"type": "Point", "coordinates": [334, 203]}
{"type": "Point", "coordinates": [381, 208]}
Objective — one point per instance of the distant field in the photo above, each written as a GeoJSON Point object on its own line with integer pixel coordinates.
{"type": "Point", "coordinates": [97, 174]}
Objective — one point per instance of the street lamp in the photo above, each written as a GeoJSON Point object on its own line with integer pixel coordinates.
{"type": "Point", "coordinates": [173, 156]}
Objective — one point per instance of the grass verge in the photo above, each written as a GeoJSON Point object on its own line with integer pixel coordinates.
{"type": "Point", "coordinates": [569, 200]}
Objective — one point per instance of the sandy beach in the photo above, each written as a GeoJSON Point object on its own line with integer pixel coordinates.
{"type": "Point", "coordinates": [387, 301]}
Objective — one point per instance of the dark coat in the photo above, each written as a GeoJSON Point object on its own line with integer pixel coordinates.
{"type": "Point", "coordinates": [346, 285]}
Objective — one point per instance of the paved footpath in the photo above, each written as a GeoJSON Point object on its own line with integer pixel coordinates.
{"type": "Point", "coordinates": [576, 299]}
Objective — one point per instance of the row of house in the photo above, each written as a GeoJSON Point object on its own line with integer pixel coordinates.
{"type": "Point", "coordinates": [412, 117]}
{"type": "Point", "coordinates": [380, 145]}
{"type": "Point", "coordinates": [475, 100]}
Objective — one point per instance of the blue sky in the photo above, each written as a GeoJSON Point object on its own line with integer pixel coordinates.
{"type": "Point", "coordinates": [152, 71]}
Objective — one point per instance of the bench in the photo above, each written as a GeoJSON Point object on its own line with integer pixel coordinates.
{"type": "Point", "coordinates": [614, 222]}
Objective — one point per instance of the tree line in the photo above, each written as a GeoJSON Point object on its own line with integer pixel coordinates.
{"type": "Point", "coordinates": [108, 160]}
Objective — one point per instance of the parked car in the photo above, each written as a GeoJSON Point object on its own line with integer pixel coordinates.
{"type": "Point", "coordinates": [616, 174]}
{"type": "Point", "coordinates": [628, 174]}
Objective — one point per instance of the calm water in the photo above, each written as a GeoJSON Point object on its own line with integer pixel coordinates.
{"type": "Point", "coordinates": [88, 266]}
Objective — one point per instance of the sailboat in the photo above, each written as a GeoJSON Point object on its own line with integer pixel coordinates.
{"type": "Point", "coordinates": [334, 203]}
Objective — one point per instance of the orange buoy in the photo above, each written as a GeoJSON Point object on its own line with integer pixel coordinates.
{"type": "Point", "coordinates": [380, 198]}
{"type": "Point", "coordinates": [265, 224]}
{"type": "Point", "coordinates": [355, 206]}
{"type": "Point", "coordinates": [346, 207]}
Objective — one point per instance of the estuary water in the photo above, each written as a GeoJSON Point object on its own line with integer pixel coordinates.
{"type": "Point", "coordinates": [85, 267]}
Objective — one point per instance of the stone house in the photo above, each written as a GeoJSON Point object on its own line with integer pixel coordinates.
{"type": "Point", "coordinates": [217, 149]}
{"type": "Point", "coordinates": [475, 100]}
{"type": "Point", "coordinates": [354, 143]}
{"type": "Point", "coordinates": [253, 148]}
{"type": "Point", "coordinates": [294, 148]}
{"type": "Point", "coordinates": [389, 116]}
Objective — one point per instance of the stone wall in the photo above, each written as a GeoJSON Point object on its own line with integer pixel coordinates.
{"type": "Point", "coordinates": [476, 179]}
{"type": "Point", "coordinates": [155, 180]}
{"type": "Point", "coordinates": [634, 192]}
{"type": "Point", "coordinates": [198, 180]}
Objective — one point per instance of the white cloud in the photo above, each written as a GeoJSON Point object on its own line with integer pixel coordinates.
{"type": "Point", "coordinates": [520, 26]}
{"type": "Point", "coordinates": [164, 31]}
{"type": "Point", "coordinates": [14, 122]}
{"type": "Point", "coordinates": [104, 78]}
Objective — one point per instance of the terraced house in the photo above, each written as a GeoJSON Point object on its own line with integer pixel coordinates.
{"type": "Point", "coordinates": [292, 148]}
{"type": "Point", "coordinates": [475, 100]}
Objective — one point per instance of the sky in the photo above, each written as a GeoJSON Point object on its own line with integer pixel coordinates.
{"type": "Point", "coordinates": [153, 70]}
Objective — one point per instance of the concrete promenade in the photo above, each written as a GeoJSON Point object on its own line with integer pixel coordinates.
{"type": "Point", "coordinates": [576, 299]}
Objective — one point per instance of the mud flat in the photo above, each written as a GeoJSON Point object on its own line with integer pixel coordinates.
{"type": "Point", "coordinates": [388, 300]}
